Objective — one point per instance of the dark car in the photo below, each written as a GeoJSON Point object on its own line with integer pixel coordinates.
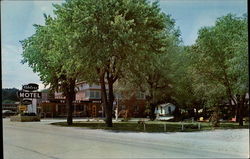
{"type": "Point", "coordinates": [28, 114]}
{"type": "Point", "coordinates": [7, 113]}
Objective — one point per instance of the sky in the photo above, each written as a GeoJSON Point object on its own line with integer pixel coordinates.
{"type": "Point", "coordinates": [18, 17]}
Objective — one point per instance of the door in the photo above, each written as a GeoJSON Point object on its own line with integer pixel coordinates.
{"type": "Point", "coordinates": [94, 110]}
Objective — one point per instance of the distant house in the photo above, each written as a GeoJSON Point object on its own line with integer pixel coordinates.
{"type": "Point", "coordinates": [88, 102]}
{"type": "Point", "coordinates": [164, 111]}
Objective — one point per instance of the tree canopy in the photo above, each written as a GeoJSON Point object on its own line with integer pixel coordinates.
{"type": "Point", "coordinates": [219, 61]}
{"type": "Point", "coordinates": [134, 41]}
{"type": "Point", "coordinates": [47, 53]}
{"type": "Point", "coordinates": [99, 41]}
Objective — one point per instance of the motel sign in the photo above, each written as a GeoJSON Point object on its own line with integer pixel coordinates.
{"type": "Point", "coordinates": [30, 87]}
{"type": "Point", "coordinates": [35, 95]}
{"type": "Point", "coordinates": [28, 96]}
{"type": "Point", "coordinates": [29, 93]}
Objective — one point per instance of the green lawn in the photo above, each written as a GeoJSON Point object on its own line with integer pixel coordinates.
{"type": "Point", "coordinates": [153, 126]}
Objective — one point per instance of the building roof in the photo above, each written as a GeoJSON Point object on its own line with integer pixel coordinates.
{"type": "Point", "coordinates": [166, 105]}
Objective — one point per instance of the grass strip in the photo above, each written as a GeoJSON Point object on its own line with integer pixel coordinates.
{"type": "Point", "coordinates": [152, 126]}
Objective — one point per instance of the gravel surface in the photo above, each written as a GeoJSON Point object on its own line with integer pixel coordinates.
{"type": "Point", "coordinates": [40, 140]}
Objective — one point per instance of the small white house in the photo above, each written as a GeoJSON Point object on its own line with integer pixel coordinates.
{"type": "Point", "coordinates": [164, 110]}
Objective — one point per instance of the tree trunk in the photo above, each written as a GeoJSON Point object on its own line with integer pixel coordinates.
{"type": "Point", "coordinates": [69, 109]}
{"type": "Point", "coordinates": [196, 114]}
{"type": "Point", "coordinates": [106, 105]}
{"type": "Point", "coordinates": [152, 111]}
{"type": "Point", "coordinates": [240, 109]}
{"type": "Point", "coordinates": [177, 114]}
{"type": "Point", "coordinates": [191, 113]}
{"type": "Point", "coordinates": [70, 97]}
{"type": "Point", "coordinates": [233, 108]}
{"type": "Point", "coordinates": [151, 101]}
{"type": "Point", "coordinates": [240, 102]}
{"type": "Point", "coordinates": [215, 118]}
{"type": "Point", "coordinates": [237, 112]}
{"type": "Point", "coordinates": [240, 115]}
{"type": "Point", "coordinates": [110, 104]}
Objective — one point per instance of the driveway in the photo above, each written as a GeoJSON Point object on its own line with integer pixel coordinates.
{"type": "Point", "coordinates": [40, 140]}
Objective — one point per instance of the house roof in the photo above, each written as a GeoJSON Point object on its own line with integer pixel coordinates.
{"type": "Point", "coordinates": [166, 105]}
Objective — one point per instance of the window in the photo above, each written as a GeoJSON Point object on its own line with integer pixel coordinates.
{"type": "Point", "coordinates": [94, 94]}
{"type": "Point", "coordinates": [87, 94]}
{"type": "Point", "coordinates": [98, 94]}
{"type": "Point", "coordinates": [169, 110]}
{"type": "Point", "coordinates": [140, 95]}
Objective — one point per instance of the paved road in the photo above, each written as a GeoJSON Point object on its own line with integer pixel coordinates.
{"type": "Point", "coordinates": [39, 140]}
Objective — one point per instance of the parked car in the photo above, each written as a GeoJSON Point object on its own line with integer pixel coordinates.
{"type": "Point", "coordinates": [7, 113]}
{"type": "Point", "coordinates": [28, 114]}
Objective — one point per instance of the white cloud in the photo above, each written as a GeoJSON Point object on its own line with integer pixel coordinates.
{"type": "Point", "coordinates": [15, 74]}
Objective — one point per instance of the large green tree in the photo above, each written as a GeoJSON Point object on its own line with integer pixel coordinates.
{"type": "Point", "coordinates": [48, 53]}
{"type": "Point", "coordinates": [110, 36]}
{"type": "Point", "coordinates": [184, 93]}
{"type": "Point", "coordinates": [220, 62]}
{"type": "Point", "coordinates": [154, 73]}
